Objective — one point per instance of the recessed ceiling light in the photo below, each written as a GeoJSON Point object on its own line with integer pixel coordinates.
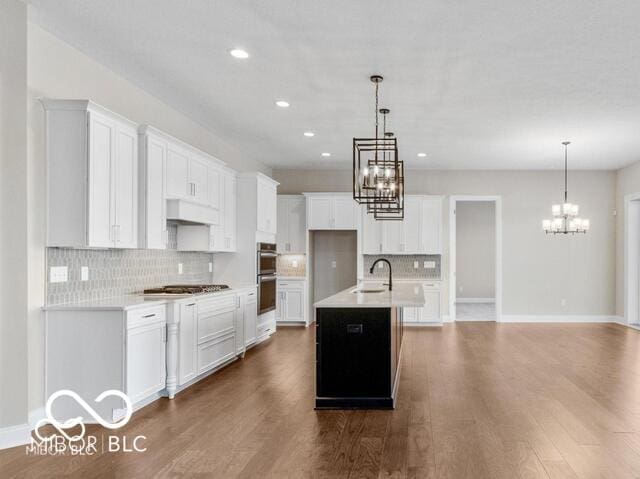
{"type": "Point", "coordinates": [309, 133]}
{"type": "Point", "coordinates": [326, 154]}
{"type": "Point", "coordinates": [238, 53]}
{"type": "Point", "coordinates": [422, 155]}
{"type": "Point", "coordinates": [282, 104]}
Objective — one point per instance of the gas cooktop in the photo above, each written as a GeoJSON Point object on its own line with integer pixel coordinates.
{"type": "Point", "coordinates": [185, 289]}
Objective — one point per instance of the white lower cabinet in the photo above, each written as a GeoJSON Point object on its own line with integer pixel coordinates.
{"type": "Point", "coordinates": [431, 312]}
{"type": "Point", "coordinates": [91, 351]}
{"type": "Point", "coordinates": [207, 332]}
{"type": "Point", "coordinates": [146, 348]}
{"type": "Point", "coordinates": [291, 301]}
{"type": "Point", "coordinates": [250, 316]}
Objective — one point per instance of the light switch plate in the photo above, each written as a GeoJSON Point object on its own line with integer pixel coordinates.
{"type": "Point", "coordinates": [84, 273]}
{"type": "Point", "coordinates": [179, 268]}
{"type": "Point", "coordinates": [58, 274]}
{"type": "Point", "coordinates": [333, 264]}
{"type": "Point", "coordinates": [210, 267]}
{"type": "Point", "coordinates": [415, 265]}
{"type": "Point", "coordinates": [380, 265]}
{"type": "Point", "coordinates": [429, 264]}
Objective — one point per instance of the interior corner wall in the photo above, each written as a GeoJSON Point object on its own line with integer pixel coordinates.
{"type": "Point", "coordinates": [538, 270]}
{"type": "Point", "coordinates": [627, 182]}
{"type": "Point", "coordinates": [475, 249]}
{"type": "Point", "coordinates": [13, 217]}
{"type": "Point", "coordinates": [58, 70]}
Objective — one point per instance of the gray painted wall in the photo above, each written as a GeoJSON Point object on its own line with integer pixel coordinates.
{"type": "Point", "coordinates": [328, 247]}
{"type": "Point", "coordinates": [475, 249]}
{"type": "Point", "coordinates": [538, 270]}
{"type": "Point", "coordinates": [13, 213]}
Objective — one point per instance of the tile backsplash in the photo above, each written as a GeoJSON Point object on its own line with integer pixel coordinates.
{"type": "Point", "coordinates": [119, 272]}
{"type": "Point", "coordinates": [291, 264]}
{"type": "Point", "coordinates": [403, 267]}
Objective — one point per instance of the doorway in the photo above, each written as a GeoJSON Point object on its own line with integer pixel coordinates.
{"type": "Point", "coordinates": [475, 277]}
{"type": "Point", "coordinates": [632, 259]}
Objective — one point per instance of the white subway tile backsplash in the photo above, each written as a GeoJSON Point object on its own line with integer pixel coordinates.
{"type": "Point", "coordinates": [403, 266]}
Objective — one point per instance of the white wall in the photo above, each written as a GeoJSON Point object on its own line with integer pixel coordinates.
{"type": "Point", "coordinates": [57, 70]}
{"type": "Point", "coordinates": [13, 216]}
{"type": "Point", "coordinates": [475, 249]}
{"type": "Point", "coordinates": [627, 182]}
{"type": "Point", "coordinates": [538, 270]}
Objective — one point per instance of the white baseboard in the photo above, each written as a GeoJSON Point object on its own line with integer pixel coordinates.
{"type": "Point", "coordinates": [35, 416]}
{"type": "Point", "coordinates": [13, 436]}
{"type": "Point", "coordinates": [556, 318]}
{"type": "Point", "coordinates": [423, 325]}
{"type": "Point", "coordinates": [475, 300]}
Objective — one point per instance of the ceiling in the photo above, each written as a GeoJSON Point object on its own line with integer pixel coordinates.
{"type": "Point", "coordinates": [474, 85]}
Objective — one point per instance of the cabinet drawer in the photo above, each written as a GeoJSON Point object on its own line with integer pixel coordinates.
{"type": "Point", "coordinates": [431, 285]}
{"type": "Point", "coordinates": [143, 316]}
{"type": "Point", "coordinates": [217, 304]}
{"type": "Point", "coordinates": [215, 324]}
{"type": "Point", "coordinates": [296, 285]}
{"type": "Point", "coordinates": [263, 329]}
{"type": "Point", "coordinates": [216, 352]}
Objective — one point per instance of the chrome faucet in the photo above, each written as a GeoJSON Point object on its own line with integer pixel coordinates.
{"type": "Point", "coordinates": [388, 264]}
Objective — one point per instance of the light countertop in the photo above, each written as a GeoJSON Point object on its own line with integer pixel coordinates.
{"type": "Point", "coordinates": [403, 295]}
{"type": "Point", "coordinates": [132, 301]}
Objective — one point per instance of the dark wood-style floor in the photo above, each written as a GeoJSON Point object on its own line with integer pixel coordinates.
{"type": "Point", "coordinates": [476, 400]}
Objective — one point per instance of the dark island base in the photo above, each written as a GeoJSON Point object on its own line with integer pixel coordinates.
{"type": "Point", "coordinates": [357, 357]}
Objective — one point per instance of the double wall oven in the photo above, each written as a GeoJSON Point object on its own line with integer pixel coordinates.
{"type": "Point", "coordinates": [266, 277]}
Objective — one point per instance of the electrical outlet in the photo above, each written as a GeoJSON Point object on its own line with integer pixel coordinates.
{"type": "Point", "coordinates": [380, 265]}
{"type": "Point", "coordinates": [563, 302]}
{"type": "Point", "coordinates": [210, 267]}
{"type": "Point", "coordinates": [415, 265]}
{"type": "Point", "coordinates": [84, 273]}
{"type": "Point", "coordinates": [333, 264]}
{"type": "Point", "coordinates": [179, 268]}
{"type": "Point", "coordinates": [461, 289]}
{"type": "Point", "coordinates": [58, 274]}
{"type": "Point", "coordinates": [294, 263]}
{"type": "Point", "coordinates": [429, 264]}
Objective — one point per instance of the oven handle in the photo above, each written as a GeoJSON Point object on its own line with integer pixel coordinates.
{"type": "Point", "coordinates": [271, 277]}
{"type": "Point", "coordinates": [265, 254]}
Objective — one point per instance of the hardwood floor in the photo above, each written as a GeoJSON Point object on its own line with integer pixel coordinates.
{"type": "Point", "coordinates": [476, 400]}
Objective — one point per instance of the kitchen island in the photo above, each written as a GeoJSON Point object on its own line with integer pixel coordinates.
{"type": "Point", "coordinates": [358, 345]}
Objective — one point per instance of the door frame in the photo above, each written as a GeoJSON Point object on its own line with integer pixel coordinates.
{"type": "Point", "coordinates": [631, 256]}
{"type": "Point", "coordinates": [453, 200]}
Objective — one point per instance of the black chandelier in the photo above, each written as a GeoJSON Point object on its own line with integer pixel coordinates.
{"type": "Point", "coordinates": [378, 175]}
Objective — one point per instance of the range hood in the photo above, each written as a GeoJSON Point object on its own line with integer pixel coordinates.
{"type": "Point", "coordinates": [187, 213]}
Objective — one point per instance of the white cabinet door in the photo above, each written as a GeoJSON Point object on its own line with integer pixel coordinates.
{"type": "Point", "coordinates": [282, 236]}
{"type": "Point", "coordinates": [267, 207]}
{"type": "Point", "coordinates": [178, 185]}
{"type": "Point", "coordinates": [392, 232]}
{"type": "Point", "coordinates": [345, 213]}
{"type": "Point", "coordinates": [280, 306]}
{"type": "Point", "coordinates": [296, 226]}
{"type": "Point", "coordinates": [239, 332]}
{"type": "Point", "coordinates": [214, 187]}
{"type": "Point", "coordinates": [410, 315]}
{"type": "Point", "coordinates": [411, 224]}
{"type": "Point", "coordinates": [199, 178]}
{"type": "Point", "coordinates": [294, 305]}
{"type": "Point", "coordinates": [188, 330]}
{"type": "Point", "coordinates": [146, 372]}
{"type": "Point", "coordinates": [250, 318]}
{"type": "Point", "coordinates": [125, 188]}
{"type": "Point", "coordinates": [431, 310]}
{"type": "Point", "coordinates": [229, 218]}
{"type": "Point", "coordinates": [320, 213]}
{"type": "Point", "coordinates": [155, 229]}
{"type": "Point", "coordinates": [371, 234]}
{"type": "Point", "coordinates": [101, 152]}
{"type": "Point", "coordinates": [431, 228]}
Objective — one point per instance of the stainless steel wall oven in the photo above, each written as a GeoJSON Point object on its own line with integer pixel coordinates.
{"type": "Point", "coordinates": [266, 262]}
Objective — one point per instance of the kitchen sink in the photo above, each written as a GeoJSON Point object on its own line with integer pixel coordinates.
{"type": "Point", "coordinates": [369, 290]}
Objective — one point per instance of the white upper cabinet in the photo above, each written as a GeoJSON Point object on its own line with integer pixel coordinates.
{"type": "Point", "coordinates": [152, 217]}
{"type": "Point", "coordinates": [267, 205]}
{"type": "Point", "coordinates": [229, 224]}
{"type": "Point", "coordinates": [92, 176]}
{"type": "Point", "coordinates": [291, 224]}
{"type": "Point", "coordinates": [431, 226]}
{"type": "Point", "coordinates": [214, 187]}
{"type": "Point", "coordinates": [418, 233]}
{"type": "Point", "coordinates": [332, 211]}
{"type": "Point", "coordinates": [178, 185]}
{"type": "Point", "coordinates": [199, 178]}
